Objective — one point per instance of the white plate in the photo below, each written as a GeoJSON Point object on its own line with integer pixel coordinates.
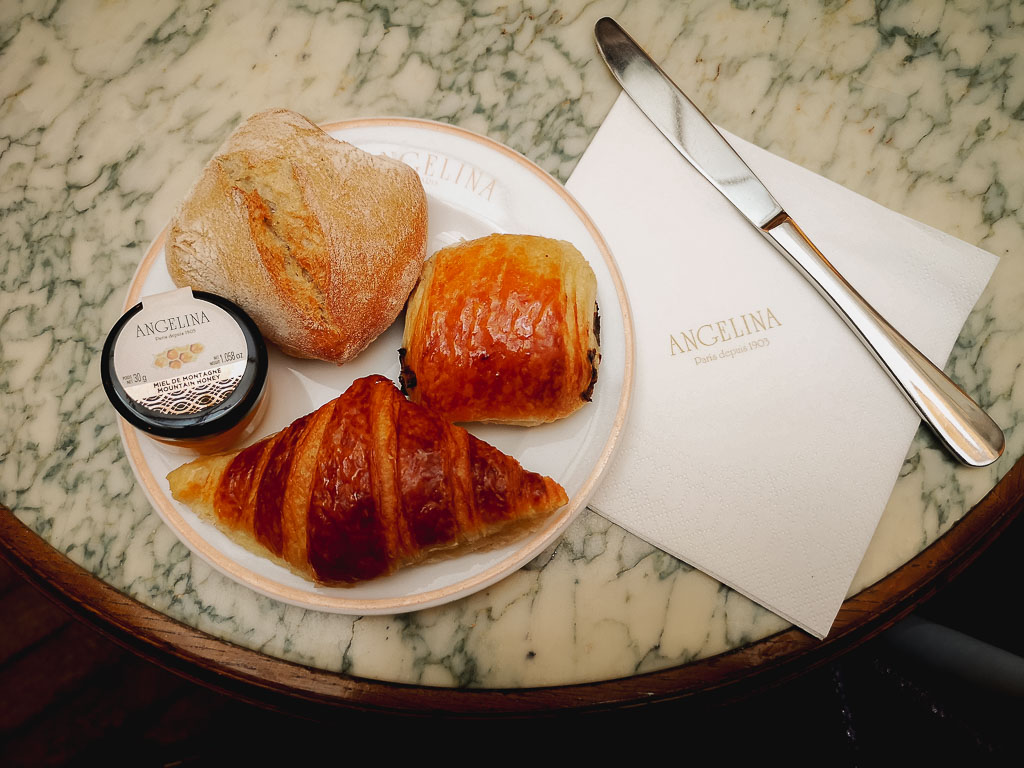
{"type": "Point", "coordinates": [475, 186]}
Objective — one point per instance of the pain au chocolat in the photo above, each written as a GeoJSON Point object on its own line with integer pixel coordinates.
{"type": "Point", "coordinates": [366, 484]}
{"type": "Point", "coordinates": [503, 329]}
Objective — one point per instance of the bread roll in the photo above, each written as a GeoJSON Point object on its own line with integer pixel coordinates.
{"type": "Point", "coordinates": [318, 241]}
{"type": "Point", "coordinates": [503, 329]}
{"type": "Point", "coordinates": [364, 485]}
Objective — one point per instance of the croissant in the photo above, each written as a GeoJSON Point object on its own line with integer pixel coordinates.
{"type": "Point", "coordinates": [503, 329]}
{"type": "Point", "coordinates": [366, 484]}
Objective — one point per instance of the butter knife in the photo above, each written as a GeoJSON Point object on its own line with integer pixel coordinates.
{"type": "Point", "coordinates": [960, 423]}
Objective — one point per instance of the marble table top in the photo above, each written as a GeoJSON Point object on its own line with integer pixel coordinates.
{"type": "Point", "coordinates": [109, 110]}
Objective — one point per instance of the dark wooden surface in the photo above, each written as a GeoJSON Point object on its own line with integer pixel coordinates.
{"type": "Point", "coordinates": [71, 696]}
{"type": "Point", "coordinates": [253, 677]}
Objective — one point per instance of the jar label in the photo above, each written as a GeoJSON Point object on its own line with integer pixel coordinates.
{"type": "Point", "coordinates": [180, 355]}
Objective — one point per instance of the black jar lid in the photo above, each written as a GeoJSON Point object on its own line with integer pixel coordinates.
{"type": "Point", "coordinates": [195, 420]}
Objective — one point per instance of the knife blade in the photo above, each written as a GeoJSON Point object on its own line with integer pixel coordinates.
{"type": "Point", "coordinates": [959, 422]}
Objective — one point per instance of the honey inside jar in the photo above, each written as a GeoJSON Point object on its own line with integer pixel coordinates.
{"type": "Point", "coordinates": [187, 368]}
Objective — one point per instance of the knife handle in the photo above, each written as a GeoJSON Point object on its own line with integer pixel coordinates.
{"type": "Point", "coordinates": [959, 422]}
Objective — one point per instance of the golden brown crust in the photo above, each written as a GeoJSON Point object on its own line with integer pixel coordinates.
{"type": "Point", "coordinates": [365, 485]}
{"type": "Point", "coordinates": [318, 241]}
{"type": "Point", "coordinates": [503, 329]}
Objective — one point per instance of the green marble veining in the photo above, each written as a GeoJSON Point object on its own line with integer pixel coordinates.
{"type": "Point", "coordinates": [108, 111]}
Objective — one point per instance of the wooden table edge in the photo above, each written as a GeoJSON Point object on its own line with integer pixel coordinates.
{"type": "Point", "coordinates": [291, 687]}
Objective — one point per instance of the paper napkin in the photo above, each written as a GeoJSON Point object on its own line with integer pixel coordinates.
{"type": "Point", "coordinates": [763, 440]}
